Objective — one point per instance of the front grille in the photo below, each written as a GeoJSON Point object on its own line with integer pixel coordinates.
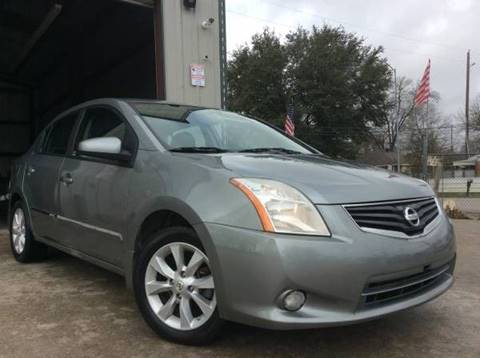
{"type": "Point", "coordinates": [391, 215]}
{"type": "Point", "coordinates": [384, 292]}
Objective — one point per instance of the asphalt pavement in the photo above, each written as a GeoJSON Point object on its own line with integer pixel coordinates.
{"type": "Point", "coordinates": [64, 307]}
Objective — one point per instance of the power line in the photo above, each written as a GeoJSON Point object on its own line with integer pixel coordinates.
{"type": "Point", "coordinates": [388, 48]}
{"type": "Point", "coordinates": [261, 19]}
{"type": "Point", "coordinates": [341, 22]}
{"type": "Point", "coordinates": [435, 57]}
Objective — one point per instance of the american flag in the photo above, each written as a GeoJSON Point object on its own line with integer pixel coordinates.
{"type": "Point", "coordinates": [289, 125]}
{"type": "Point", "coordinates": [423, 91]}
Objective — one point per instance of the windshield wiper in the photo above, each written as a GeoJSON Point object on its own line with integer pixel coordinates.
{"type": "Point", "coordinates": [198, 150]}
{"type": "Point", "coordinates": [270, 150]}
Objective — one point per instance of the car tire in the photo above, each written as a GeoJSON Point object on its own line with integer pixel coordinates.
{"type": "Point", "coordinates": [23, 245]}
{"type": "Point", "coordinates": [187, 323]}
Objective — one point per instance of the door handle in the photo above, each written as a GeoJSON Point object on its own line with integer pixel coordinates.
{"type": "Point", "coordinates": [30, 170]}
{"type": "Point", "coordinates": [66, 179]}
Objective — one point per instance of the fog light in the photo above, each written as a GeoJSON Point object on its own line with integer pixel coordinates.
{"type": "Point", "coordinates": [292, 300]}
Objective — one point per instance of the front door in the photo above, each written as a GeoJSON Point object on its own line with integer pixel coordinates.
{"type": "Point", "coordinates": [94, 191]}
{"type": "Point", "coordinates": [42, 178]}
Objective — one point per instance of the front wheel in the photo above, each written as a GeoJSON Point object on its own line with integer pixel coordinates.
{"type": "Point", "coordinates": [174, 288]}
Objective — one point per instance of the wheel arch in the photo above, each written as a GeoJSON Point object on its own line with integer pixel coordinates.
{"type": "Point", "coordinates": [157, 214]}
{"type": "Point", "coordinates": [155, 221]}
{"type": "Point", "coordinates": [160, 213]}
{"type": "Point", "coordinates": [14, 197]}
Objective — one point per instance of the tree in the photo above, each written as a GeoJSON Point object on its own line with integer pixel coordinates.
{"type": "Point", "coordinates": [474, 128]}
{"type": "Point", "coordinates": [337, 83]}
{"type": "Point", "coordinates": [475, 113]}
{"type": "Point", "coordinates": [400, 106]}
{"type": "Point", "coordinates": [256, 81]}
{"type": "Point", "coordinates": [474, 124]}
{"type": "Point", "coordinates": [414, 132]}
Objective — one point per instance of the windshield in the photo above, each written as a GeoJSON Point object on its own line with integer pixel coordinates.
{"type": "Point", "coordinates": [195, 130]}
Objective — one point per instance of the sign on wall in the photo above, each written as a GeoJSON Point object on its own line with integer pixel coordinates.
{"type": "Point", "coordinates": [197, 74]}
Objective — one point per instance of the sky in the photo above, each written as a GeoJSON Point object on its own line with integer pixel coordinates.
{"type": "Point", "coordinates": [410, 32]}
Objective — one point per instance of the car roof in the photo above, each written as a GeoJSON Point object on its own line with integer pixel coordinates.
{"type": "Point", "coordinates": [133, 102]}
{"type": "Point", "coordinates": [166, 110]}
{"type": "Point", "coordinates": [160, 102]}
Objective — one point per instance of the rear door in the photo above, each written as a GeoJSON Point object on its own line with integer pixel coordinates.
{"type": "Point", "coordinates": [42, 177]}
{"type": "Point", "coordinates": [94, 201]}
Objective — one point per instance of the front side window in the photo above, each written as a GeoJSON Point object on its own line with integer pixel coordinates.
{"type": "Point", "coordinates": [189, 127]}
{"type": "Point", "coordinates": [101, 122]}
{"type": "Point", "coordinates": [58, 136]}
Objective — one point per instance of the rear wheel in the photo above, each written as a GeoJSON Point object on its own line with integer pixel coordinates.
{"type": "Point", "coordinates": [23, 245]}
{"type": "Point", "coordinates": [174, 287]}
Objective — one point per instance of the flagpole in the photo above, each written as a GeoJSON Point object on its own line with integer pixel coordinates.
{"type": "Point", "coordinates": [425, 146]}
{"type": "Point", "coordinates": [398, 142]}
{"type": "Point", "coordinates": [423, 96]}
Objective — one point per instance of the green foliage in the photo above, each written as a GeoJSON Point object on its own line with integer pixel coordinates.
{"type": "Point", "coordinates": [256, 78]}
{"type": "Point", "coordinates": [338, 84]}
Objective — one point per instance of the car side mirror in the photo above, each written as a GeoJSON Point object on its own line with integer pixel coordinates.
{"type": "Point", "coordinates": [104, 147]}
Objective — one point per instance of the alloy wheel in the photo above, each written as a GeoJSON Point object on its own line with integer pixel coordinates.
{"type": "Point", "coordinates": [179, 286]}
{"type": "Point", "coordinates": [18, 231]}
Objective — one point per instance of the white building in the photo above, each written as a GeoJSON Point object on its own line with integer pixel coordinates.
{"type": "Point", "coordinates": [467, 168]}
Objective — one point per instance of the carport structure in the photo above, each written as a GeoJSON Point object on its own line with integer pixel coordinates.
{"type": "Point", "coordinates": [58, 53]}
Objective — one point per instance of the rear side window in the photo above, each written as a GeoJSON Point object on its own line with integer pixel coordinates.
{"type": "Point", "coordinates": [58, 136]}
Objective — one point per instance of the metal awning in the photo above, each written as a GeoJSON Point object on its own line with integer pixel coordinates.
{"type": "Point", "coordinates": [148, 3]}
{"type": "Point", "coordinates": [470, 162]}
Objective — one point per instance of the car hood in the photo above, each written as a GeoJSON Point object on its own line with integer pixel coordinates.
{"type": "Point", "coordinates": [323, 180]}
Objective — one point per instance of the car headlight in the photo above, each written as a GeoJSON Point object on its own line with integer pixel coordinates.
{"type": "Point", "coordinates": [281, 208]}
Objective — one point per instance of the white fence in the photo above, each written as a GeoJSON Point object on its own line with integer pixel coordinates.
{"type": "Point", "coordinates": [456, 185]}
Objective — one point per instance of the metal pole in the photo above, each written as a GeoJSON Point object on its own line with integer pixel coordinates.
{"type": "Point", "coordinates": [467, 106]}
{"type": "Point", "coordinates": [223, 53]}
{"type": "Point", "coordinates": [397, 119]}
{"type": "Point", "coordinates": [425, 147]}
{"type": "Point", "coordinates": [160, 79]}
{"type": "Point", "coordinates": [397, 110]}
{"type": "Point", "coordinates": [398, 147]}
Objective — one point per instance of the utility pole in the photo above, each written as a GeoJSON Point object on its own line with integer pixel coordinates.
{"type": "Point", "coordinates": [467, 106]}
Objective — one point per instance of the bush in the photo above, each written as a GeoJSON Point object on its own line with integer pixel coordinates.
{"type": "Point", "coordinates": [452, 211]}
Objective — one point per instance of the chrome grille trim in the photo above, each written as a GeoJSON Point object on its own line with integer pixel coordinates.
{"type": "Point", "coordinates": [370, 292]}
{"type": "Point", "coordinates": [386, 217]}
{"type": "Point", "coordinates": [394, 290]}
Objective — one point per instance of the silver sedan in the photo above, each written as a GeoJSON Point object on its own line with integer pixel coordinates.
{"type": "Point", "coordinates": [213, 216]}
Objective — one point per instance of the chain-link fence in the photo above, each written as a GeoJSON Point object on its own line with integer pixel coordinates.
{"type": "Point", "coordinates": [454, 177]}
{"type": "Point", "coordinates": [456, 180]}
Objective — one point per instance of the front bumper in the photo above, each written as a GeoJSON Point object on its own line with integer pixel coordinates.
{"type": "Point", "coordinates": [252, 268]}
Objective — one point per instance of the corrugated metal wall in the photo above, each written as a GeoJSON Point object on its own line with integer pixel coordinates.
{"type": "Point", "coordinates": [108, 52]}
{"type": "Point", "coordinates": [185, 43]}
